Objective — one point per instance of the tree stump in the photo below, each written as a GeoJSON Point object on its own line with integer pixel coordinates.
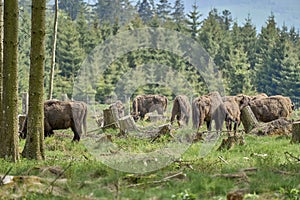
{"type": "Point", "coordinates": [127, 124]}
{"type": "Point", "coordinates": [295, 132]}
{"type": "Point", "coordinates": [163, 130]}
{"type": "Point", "coordinates": [248, 119]}
{"type": "Point", "coordinates": [111, 118]}
{"type": "Point", "coordinates": [228, 143]}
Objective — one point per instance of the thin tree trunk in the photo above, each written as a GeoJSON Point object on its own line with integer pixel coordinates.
{"type": "Point", "coordinates": [296, 133]}
{"type": "Point", "coordinates": [34, 146]}
{"type": "Point", "coordinates": [1, 62]}
{"type": "Point", "coordinates": [9, 141]}
{"type": "Point", "coordinates": [53, 51]}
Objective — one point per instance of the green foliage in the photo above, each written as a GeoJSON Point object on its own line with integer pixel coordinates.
{"type": "Point", "coordinates": [249, 62]}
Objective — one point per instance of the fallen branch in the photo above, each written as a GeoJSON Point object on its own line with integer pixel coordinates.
{"type": "Point", "coordinates": [223, 160]}
{"type": "Point", "coordinates": [292, 156]}
{"type": "Point", "coordinates": [57, 177]}
{"type": "Point", "coordinates": [3, 177]}
{"type": "Point", "coordinates": [237, 175]}
{"type": "Point", "coordinates": [177, 175]}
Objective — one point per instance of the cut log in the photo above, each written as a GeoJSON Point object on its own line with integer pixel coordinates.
{"type": "Point", "coordinates": [156, 118]}
{"type": "Point", "coordinates": [295, 132]}
{"type": "Point", "coordinates": [111, 118]}
{"type": "Point", "coordinates": [163, 130]}
{"type": "Point", "coordinates": [280, 126]}
{"type": "Point", "coordinates": [127, 124]}
{"type": "Point", "coordinates": [248, 119]}
{"type": "Point", "coordinates": [228, 143]}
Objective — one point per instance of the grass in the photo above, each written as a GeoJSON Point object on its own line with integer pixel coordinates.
{"type": "Point", "coordinates": [81, 175]}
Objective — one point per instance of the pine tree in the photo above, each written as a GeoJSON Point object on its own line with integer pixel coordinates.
{"type": "Point", "coordinates": [69, 55]}
{"type": "Point", "coordinates": [249, 40]}
{"type": "Point", "coordinates": [24, 50]}
{"type": "Point", "coordinates": [145, 11]}
{"type": "Point", "coordinates": [193, 21]}
{"type": "Point", "coordinates": [34, 146]}
{"type": "Point", "coordinates": [267, 64]}
{"type": "Point", "coordinates": [178, 13]}
{"type": "Point", "coordinates": [9, 141]}
{"type": "Point", "coordinates": [164, 10]}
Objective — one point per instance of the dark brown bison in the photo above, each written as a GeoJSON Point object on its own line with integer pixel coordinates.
{"type": "Point", "coordinates": [234, 105]}
{"type": "Point", "coordinates": [209, 108]}
{"type": "Point", "coordinates": [118, 105]}
{"type": "Point", "coordinates": [270, 108]}
{"type": "Point", "coordinates": [143, 104]}
{"type": "Point", "coordinates": [62, 115]}
{"type": "Point", "coordinates": [181, 109]}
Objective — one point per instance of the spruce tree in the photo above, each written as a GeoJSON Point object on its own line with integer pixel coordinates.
{"type": "Point", "coordinates": [193, 21]}
{"type": "Point", "coordinates": [267, 65]}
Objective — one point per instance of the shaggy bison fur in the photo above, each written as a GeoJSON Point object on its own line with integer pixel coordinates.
{"type": "Point", "coordinates": [62, 115]}
{"type": "Point", "coordinates": [270, 108]}
{"type": "Point", "coordinates": [209, 108]}
{"type": "Point", "coordinates": [181, 110]}
{"type": "Point", "coordinates": [143, 104]}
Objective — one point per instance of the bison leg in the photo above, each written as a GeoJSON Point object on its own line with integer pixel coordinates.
{"type": "Point", "coordinates": [76, 137]}
{"type": "Point", "coordinates": [208, 125]}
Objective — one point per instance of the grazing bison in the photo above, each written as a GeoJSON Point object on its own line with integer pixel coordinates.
{"type": "Point", "coordinates": [143, 104]}
{"type": "Point", "coordinates": [209, 108]}
{"type": "Point", "coordinates": [270, 108]}
{"type": "Point", "coordinates": [120, 108]}
{"type": "Point", "coordinates": [62, 115]}
{"type": "Point", "coordinates": [181, 109]}
{"type": "Point", "coordinates": [234, 105]}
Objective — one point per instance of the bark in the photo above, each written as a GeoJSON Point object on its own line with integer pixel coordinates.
{"type": "Point", "coordinates": [34, 146]}
{"type": "Point", "coordinates": [9, 141]}
{"type": "Point", "coordinates": [1, 62]}
{"type": "Point", "coordinates": [248, 119]}
{"type": "Point", "coordinates": [296, 133]}
{"type": "Point", "coordinates": [110, 118]}
{"type": "Point", "coordinates": [53, 50]}
{"type": "Point", "coordinates": [127, 124]}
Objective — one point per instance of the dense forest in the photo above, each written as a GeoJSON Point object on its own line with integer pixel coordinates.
{"type": "Point", "coordinates": [251, 59]}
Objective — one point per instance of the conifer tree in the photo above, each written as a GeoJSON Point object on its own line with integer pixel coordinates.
{"type": "Point", "coordinates": [267, 64]}
{"type": "Point", "coordinates": [193, 21]}
{"type": "Point", "coordinates": [164, 10]}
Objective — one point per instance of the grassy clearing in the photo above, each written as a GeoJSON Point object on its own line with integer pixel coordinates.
{"type": "Point", "coordinates": [261, 169]}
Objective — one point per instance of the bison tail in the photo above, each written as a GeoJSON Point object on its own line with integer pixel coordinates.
{"type": "Point", "coordinates": [84, 121]}
{"type": "Point", "coordinates": [166, 104]}
{"type": "Point", "coordinates": [195, 114]}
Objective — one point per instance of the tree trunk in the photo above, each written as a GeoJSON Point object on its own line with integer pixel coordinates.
{"type": "Point", "coordinates": [110, 118]}
{"type": "Point", "coordinates": [296, 133]}
{"type": "Point", "coordinates": [1, 64]}
{"type": "Point", "coordinates": [9, 141]}
{"type": "Point", "coordinates": [34, 146]}
{"type": "Point", "coordinates": [127, 124]}
{"type": "Point", "coordinates": [248, 119]}
{"type": "Point", "coordinates": [53, 50]}
{"type": "Point", "coordinates": [24, 103]}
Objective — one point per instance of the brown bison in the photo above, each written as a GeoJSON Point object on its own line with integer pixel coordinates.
{"type": "Point", "coordinates": [143, 104]}
{"type": "Point", "coordinates": [234, 105]}
{"type": "Point", "coordinates": [270, 108]}
{"type": "Point", "coordinates": [209, 108]}
{"type": "Point", "coordinates": [181, 109]}
{"type": "Point", "coordinates": [62, 115]}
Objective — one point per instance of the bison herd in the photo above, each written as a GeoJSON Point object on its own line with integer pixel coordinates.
{"type": "Point", "coordinates": [212, 107]}
{"type": "Point", "coordinates": [203, 109]}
